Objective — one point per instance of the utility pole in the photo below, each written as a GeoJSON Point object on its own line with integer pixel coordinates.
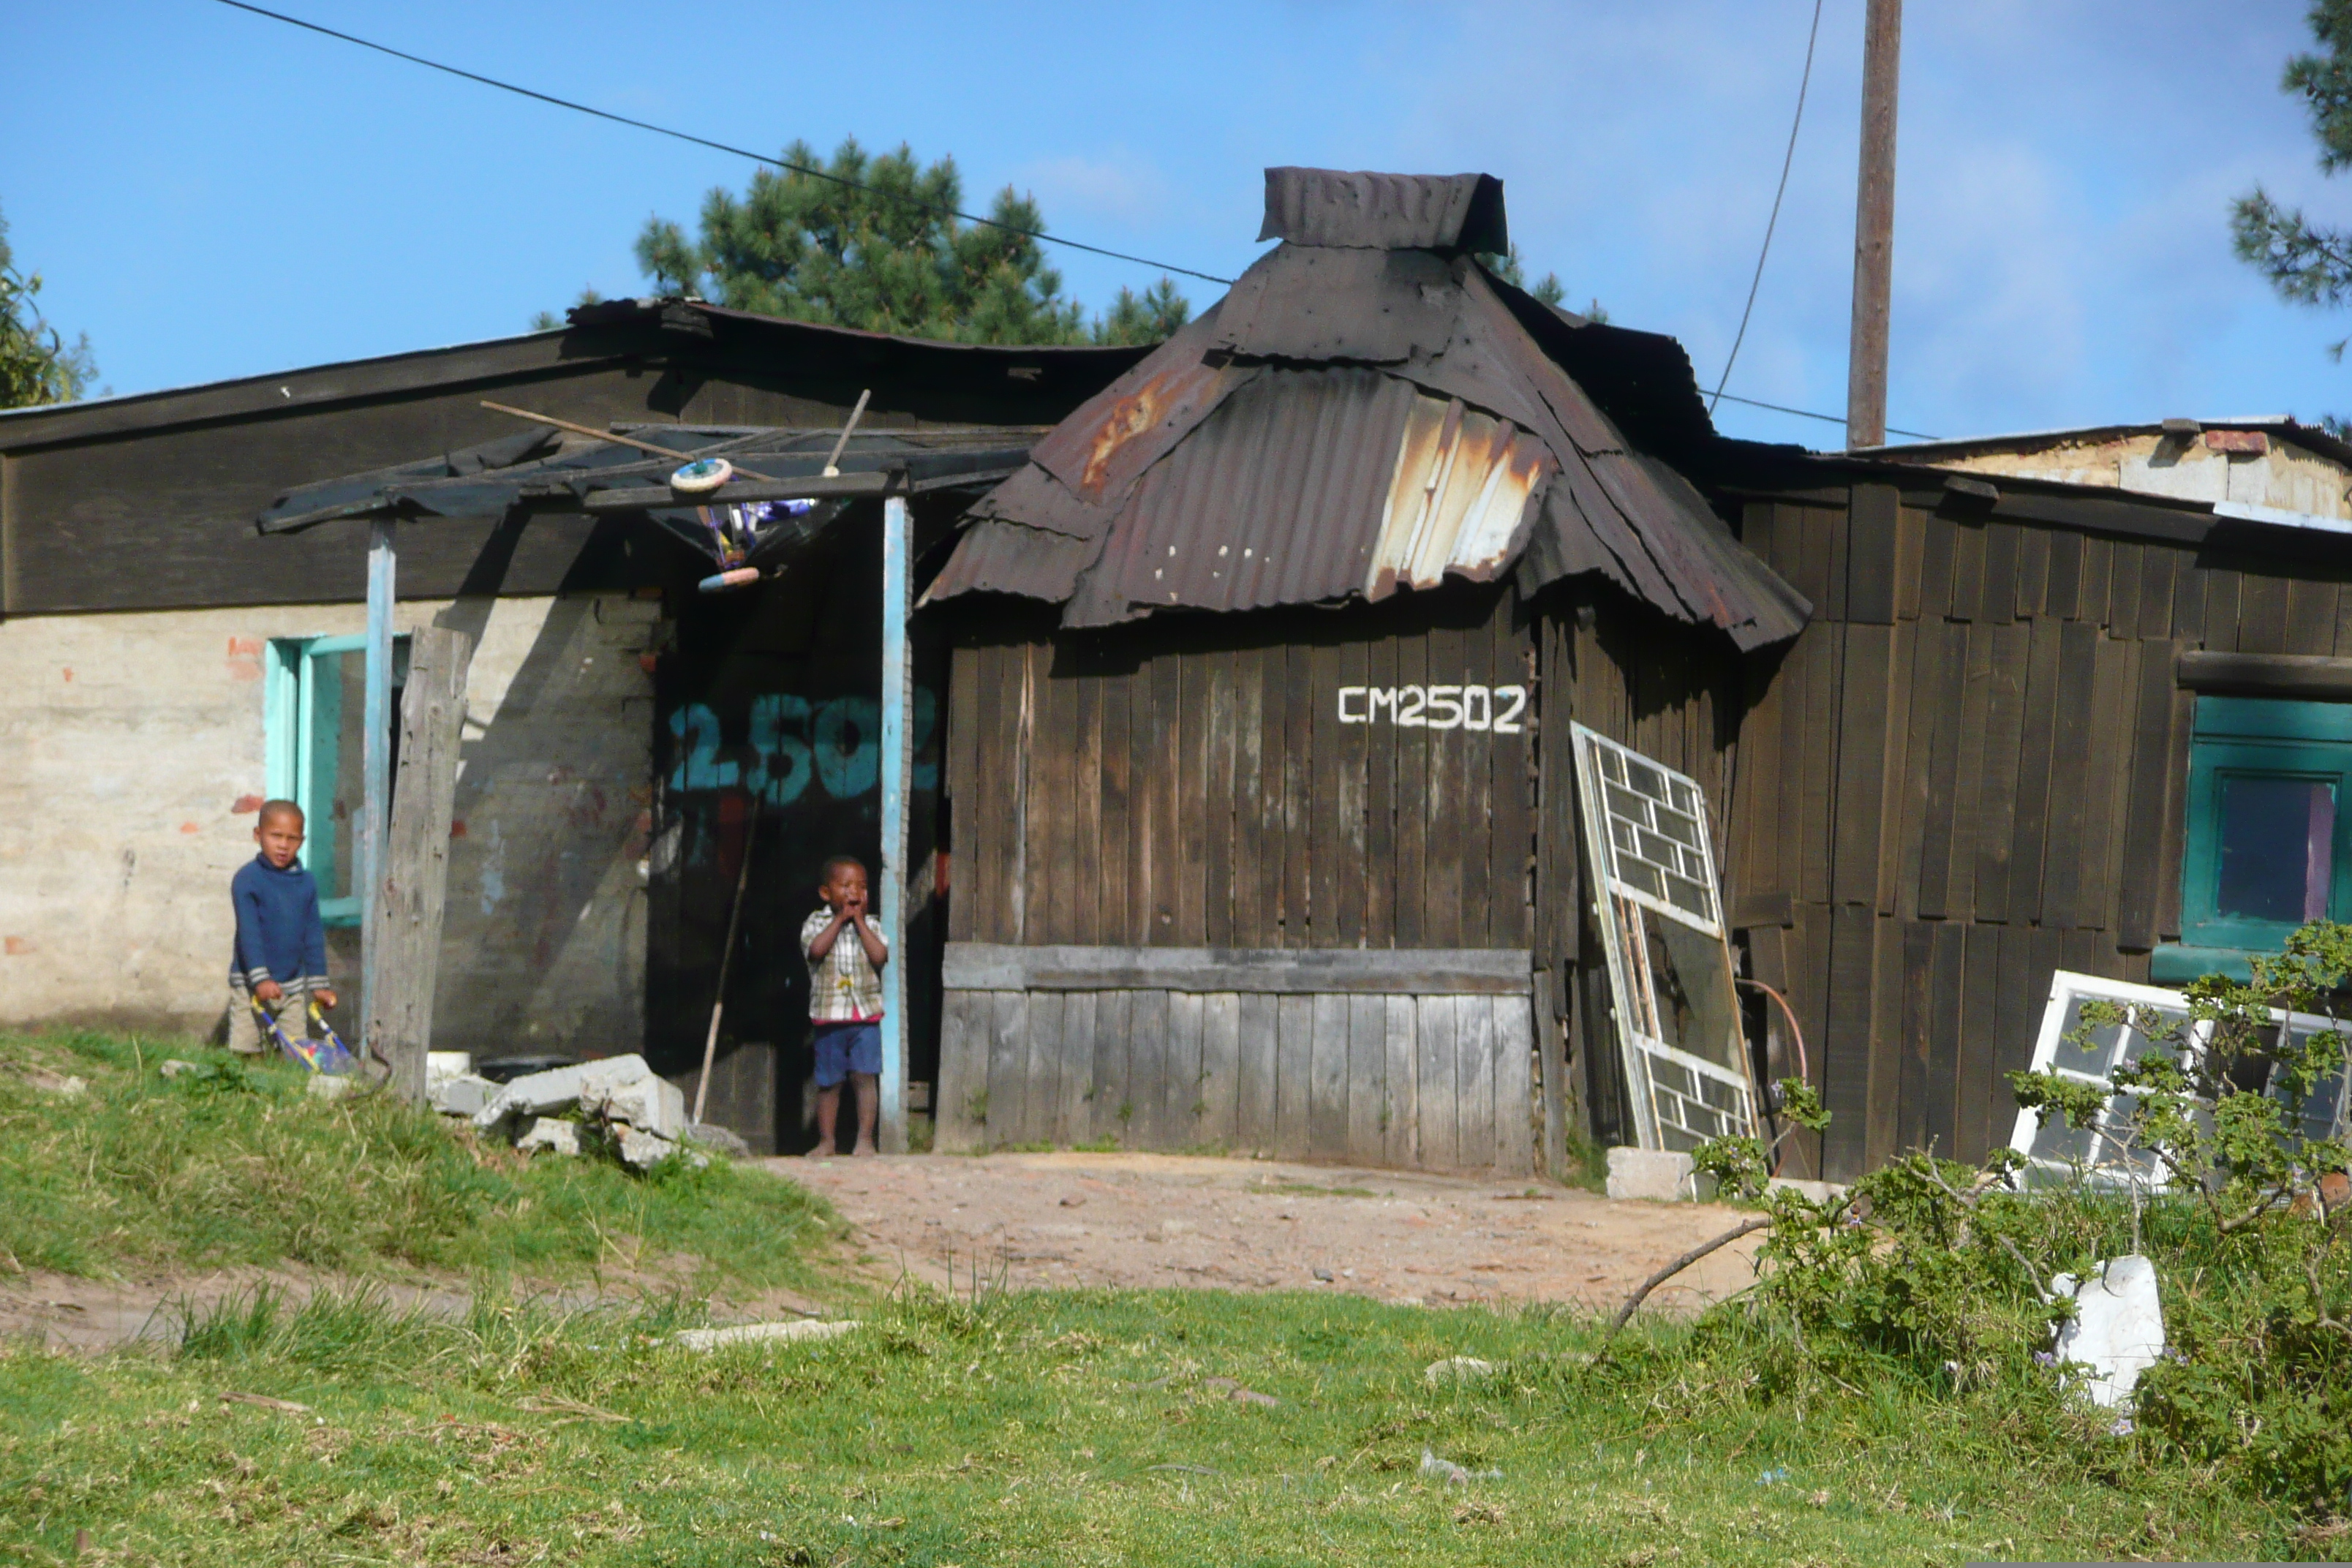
{"type": "Point", "coordinates": [1873, 228]}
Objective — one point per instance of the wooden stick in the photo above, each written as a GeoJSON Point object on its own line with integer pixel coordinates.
{"type": "Point", "coordinates": [608, 435]}
{"type": "Point", "coordinates": [830, 463]}
{"type": "Point", "coordinates": [726, 961]}
{"type": "Point", "coordinates": [1678, 1265]}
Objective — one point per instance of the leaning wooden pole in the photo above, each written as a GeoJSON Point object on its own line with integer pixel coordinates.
{"type": "Point", "coordinates": [405, 918]}
{"type": "Point", "coordinates": [1873, 228]}
{"type": "Point", "coordinates": [727, 960]}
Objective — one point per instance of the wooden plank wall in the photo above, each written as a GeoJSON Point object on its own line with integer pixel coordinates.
{"type": "Point", "coordinates": [1187, 783]}
{"type": "Point", "coordinates": [1672, 693]}
{"type": "Point", "coordinates": [1190, 786]}
{"type": "Point", "coordinates": [1426, 1082]}
{"type": "Point", "coordinates": [1965, 774]}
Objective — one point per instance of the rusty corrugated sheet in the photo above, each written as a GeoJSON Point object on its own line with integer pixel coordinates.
{"type": "Point", "coordinates": [1459, 500]}
{"type": "Point", "coordinates": [1354, 421]}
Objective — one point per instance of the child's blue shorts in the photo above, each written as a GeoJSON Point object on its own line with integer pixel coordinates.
{"type": "Point", "coordinates": [845, 1048]}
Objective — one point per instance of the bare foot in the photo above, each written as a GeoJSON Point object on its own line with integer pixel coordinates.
{"type": "Point", "coordinates": [819, 1152]}
{"type": "Point", "coordinates": [863, 1152]}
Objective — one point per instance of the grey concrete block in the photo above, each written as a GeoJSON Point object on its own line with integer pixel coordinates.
{"type": "Point", "coordinates": [555, 1137]}
{"type": "Point", "coordinates": [463, 1094]}
{"type": "Point", "coordinates": [535, 1094]}
{"type": "Point", "coordinates": [650, 1104]}
{"type": "Point", "coordinates": [726, 1140]}
{"type": "Point", "coordinates": [1656, 1174]}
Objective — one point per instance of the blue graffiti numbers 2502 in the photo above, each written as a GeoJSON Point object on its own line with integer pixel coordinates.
{"type": "Point", "coordinates": [836, 744]}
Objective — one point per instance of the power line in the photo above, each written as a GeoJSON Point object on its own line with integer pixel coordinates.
{"type": "Point", "coordinates": [1824, 418]}
{"type": "Point", "coordinates": [1787, 160]}
{"type": "Point", "coordinates": [719, 146]}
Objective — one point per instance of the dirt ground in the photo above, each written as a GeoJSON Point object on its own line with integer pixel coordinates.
{"type": "Point", "coordinates": [1152, 1220]}
{"type": "Point", "coordinates": [1057, 1220]}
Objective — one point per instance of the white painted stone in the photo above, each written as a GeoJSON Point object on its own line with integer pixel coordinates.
{"type": "Point", "coordinates": [172, 1066]}
{"type": "Point", "coordinates": [555, 1137]}
{"type": "Point", "coordinates": [759, 1333]}
{"type": "Point", "coordinates": [1457, 1369]}
{"type": "Point", "coordinates": [2117, 1330]}
{"type": "Point", "coordinates": [1656, 1174]}
{"type": "Point", "coordinates": [650, 1104]}
{"type": "Point", "coordinates": [332, 1086]}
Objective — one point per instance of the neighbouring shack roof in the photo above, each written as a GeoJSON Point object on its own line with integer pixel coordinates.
{"type": "Point", "coordinates": [544, 467]}
{"type": "Point", "coordinates": [1371, 409]}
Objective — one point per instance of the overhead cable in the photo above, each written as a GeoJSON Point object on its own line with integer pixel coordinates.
{"type": "Point", "coordinates": [1824, 418]}
{"type": "Point", "coordinates": [722, 146]}
{"type": "Point", "coordinates": [1787, 160]}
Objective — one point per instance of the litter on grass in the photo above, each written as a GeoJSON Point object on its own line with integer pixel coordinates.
{"type": "Point", "coordinates": [1451, 1474]}
{"type": "Point", "coordinates": [2117, 1328]}
{"type": "Point", "coordinates": [1457, 1369]}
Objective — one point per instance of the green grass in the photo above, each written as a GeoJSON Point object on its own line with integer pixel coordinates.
{"type": "Point", "coordinates": [240, 1165]}
{"type": "Point", "coordinates": [1078, 1427]}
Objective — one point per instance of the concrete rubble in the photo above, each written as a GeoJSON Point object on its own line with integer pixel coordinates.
{"type": "Point", "coordinates": [643, 1113]}
{"type": "Point", "coordinates": [551, 1134]}
{"type": "Point", "coordinates": [1662, 1175]}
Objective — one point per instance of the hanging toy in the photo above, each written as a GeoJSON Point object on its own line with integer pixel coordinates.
{"type": "Point", "coordinates": [702, 476]}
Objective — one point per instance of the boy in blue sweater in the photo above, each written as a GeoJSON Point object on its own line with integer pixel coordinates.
{"type": "Point", "coordinates": [280, 958]}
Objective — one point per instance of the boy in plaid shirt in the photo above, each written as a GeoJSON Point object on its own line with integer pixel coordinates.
{"type": "Point", "coordinates": [845, 1002]}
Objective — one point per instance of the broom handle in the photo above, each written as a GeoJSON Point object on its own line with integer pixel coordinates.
{"type": "Point", "coordinates": [726, 961]}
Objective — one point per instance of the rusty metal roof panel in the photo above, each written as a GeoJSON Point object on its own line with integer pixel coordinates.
{"type": "Point", "coordinates": [1386, 212]}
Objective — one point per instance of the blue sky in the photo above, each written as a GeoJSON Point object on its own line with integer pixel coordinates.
{"type": "Point", "coordinates": [211, 194]}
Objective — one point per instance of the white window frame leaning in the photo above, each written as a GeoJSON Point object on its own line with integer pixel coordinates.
{"type": "Point", "coordinates": [1652, 1066]}
{"type": "Point", "coordinates": [2106, 1167]}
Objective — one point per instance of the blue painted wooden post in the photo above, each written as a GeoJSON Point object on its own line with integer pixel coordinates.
{"type": "Point", "coordinates": [375, 758]}
{"type": "Point", "coordinates": [898, 584]}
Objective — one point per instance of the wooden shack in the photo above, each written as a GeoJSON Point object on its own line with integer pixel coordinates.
{"type": "Point", "coordinates": [1258, 779]}
{"type": "Point", "coordinates": [1999, 750]}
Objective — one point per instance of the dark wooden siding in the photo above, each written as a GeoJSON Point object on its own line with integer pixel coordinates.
{"type": "Point", "coordinates": [1966, 773]}
{"type": "Point", "coordinates": [1674, 695]}
{"type": "Point", "coordinates": [1187, 783]}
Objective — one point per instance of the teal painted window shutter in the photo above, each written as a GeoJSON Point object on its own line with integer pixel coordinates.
{"type": "Point", "coordinates": [312, 745]}
{"type": "Point", "coordinates": [2268, 845]}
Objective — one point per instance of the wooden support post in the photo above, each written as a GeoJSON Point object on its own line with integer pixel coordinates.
{"type": "Point", "coordinates": [376, 771]}
{"type": "Point", "coordinates": [406, 914]}
{"type": "Point", "coordinates": [897, 670]}
{"type": "Point", "coordinates": [1873, 228]}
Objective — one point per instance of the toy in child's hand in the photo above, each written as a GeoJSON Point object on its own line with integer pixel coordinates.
{"type": "Point", "coordinates": [326, 1054]}
{"type": "Point", "coordinates": [702, 476]}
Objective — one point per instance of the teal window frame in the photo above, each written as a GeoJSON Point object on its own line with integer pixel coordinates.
{"type": "Point", "coordinates": [2237, 737]}
{"type": "Point", "coordinates": [302, 722]}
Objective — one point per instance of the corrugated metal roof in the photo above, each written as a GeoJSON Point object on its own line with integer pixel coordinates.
{"type": "Point", "coordinates": [1386, 212]}
{"type": "Point", "coordinates": [1357, 421]}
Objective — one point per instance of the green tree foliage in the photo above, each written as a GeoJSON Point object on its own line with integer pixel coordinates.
{"type": "Point", "coordinates": [2307, 262]}
{"type": "Point", "coordinates": [1550, 290]}
{"type": "Point", "coordinates": [884, 254]}
{"type": "Point", "coordinates": [37, 367]}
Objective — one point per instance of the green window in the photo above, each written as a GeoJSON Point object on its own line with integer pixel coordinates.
{"type": "Point", "coordinates": [312, 702]}
{"type": "Point", "coordinates": [2269, 839]}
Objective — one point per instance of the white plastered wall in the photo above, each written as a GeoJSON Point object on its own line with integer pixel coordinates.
{"type": "Point", "coordinates": [131, 763]}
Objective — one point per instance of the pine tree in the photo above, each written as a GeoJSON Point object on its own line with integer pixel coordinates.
{"type": "Point", "coordinates": [36, 365]}
{"type": "Point", "coordinates": [888, 257]}
{"type": "Point", "coordinates": [1549, 291]}
{"type": "Point", "coordinates": [2307, 262]}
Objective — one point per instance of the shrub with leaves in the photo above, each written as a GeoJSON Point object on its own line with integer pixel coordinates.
{"type": "Point", "coordinates": [1936, 1275]}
